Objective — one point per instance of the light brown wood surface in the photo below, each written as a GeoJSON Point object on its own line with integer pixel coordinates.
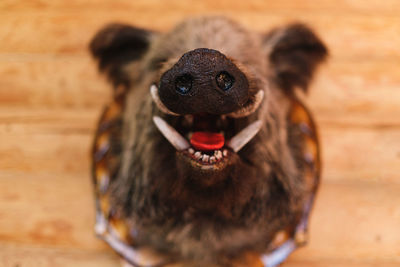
{"type": "Point", "coordinates": [51, 96]}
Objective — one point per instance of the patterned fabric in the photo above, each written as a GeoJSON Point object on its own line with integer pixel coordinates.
{"type": "Point", "coordinates": [113, 229]}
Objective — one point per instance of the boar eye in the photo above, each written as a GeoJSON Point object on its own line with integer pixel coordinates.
{"type": "Point", "coordinates": [224, 80]}
{"type": "Point", "coordinates": [183, 84]}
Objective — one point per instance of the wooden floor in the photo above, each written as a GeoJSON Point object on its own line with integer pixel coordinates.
{"type": "Point", "coordinates": [51, 96]}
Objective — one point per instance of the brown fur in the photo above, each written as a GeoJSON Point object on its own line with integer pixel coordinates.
{"type": "Point", "coordinates": [261, 191]}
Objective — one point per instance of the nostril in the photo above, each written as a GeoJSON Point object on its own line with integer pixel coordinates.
{"type": "Point", "coordinates": [224, 80]}
{"type": "Point", "coordinates": [183, 84]}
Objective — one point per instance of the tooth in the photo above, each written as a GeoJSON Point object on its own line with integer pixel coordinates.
{"type": "Point", "coordinates": [246, 111]}
{"type": "Point", "coordinates": [197, 155]}
{"type": "Point", "coordinates": [171, 134]}
{"type": "Point", "coordinates": [244, 136]}
{"type": "Point", "coordinates": [225, 153]}
{"type": "Point", "coordinates": [212, 159]}
{"type": "Point", "coordinates": [218, 154]}
{"type": "Point", "coordinates": [191, 151]}
{"type": "Point", "coordinates": [159, 103]}
{"type": "Point", "coordinates": [205, 158]}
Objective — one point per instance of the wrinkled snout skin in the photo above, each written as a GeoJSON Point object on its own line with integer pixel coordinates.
{"type": "Point", "coordinates": [199, 72]}
{"type": "Point", "coordinates": [213, 66]}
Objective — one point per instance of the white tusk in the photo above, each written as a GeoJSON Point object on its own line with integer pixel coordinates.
{"type": "Point", "coordinates": [244, 136]}
{"type": "Point", "coordinates": [246, 111]}
{"type": "Point", "coordinates": [159, 103]}
{"type": "Point", "coordinates": [171, 134]}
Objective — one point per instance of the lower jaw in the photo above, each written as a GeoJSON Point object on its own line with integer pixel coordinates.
{"type": "Point", "coordinates": [205, 174]}
{"type": "Point", "coordinates": [207, 159]}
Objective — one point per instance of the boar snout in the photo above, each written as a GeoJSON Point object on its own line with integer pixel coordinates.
{"type": "Point", "coordinates": [204, 81]}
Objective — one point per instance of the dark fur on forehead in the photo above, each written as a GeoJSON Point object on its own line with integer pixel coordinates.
{"type": "Point", "coordinates": [295, 53]}
{"type": "Point", "coordinates": [116, 45]}
{"type": "Point", "coordinates": [213, 32]}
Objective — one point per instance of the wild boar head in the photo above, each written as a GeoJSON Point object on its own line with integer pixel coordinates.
{"type": "Point", "coordinates": [207, 163]}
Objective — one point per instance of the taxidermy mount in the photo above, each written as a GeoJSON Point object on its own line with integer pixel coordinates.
{"type": "Point", "coordinates": [205, 155]}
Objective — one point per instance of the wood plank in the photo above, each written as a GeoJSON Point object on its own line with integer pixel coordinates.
{"type": "Point", "coordinates": [55, 210]}
{"type": "Point", "coordinates": [357, 94]}
{"type": "Point", "coordinates": [15, 255]}
{"type": "Point", "coordinates": [47, 141]}
{"type": "Point", "coordinates": [347, 6]}
{"type": "Point", "coordinates": [359, 154]}
{"type": "Point", "coordinates": [40, 32]}
{"type": "Point", "coordinates": [59, 121]}
{"type": "Point", "coordinates": [51, 81]}
{"type": "Point", "coordinates": [31, 153]}
{"type": "Point", "coordinates": [355, 221]}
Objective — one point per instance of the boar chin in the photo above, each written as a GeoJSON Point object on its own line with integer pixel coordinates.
{"type": "Point", "coordinates": [206, 175]}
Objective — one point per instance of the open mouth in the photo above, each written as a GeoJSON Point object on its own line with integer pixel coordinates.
{"type": "Point", "coordinates": [207, 140]}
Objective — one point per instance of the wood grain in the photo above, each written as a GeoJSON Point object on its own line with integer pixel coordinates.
{"type": "Point", "coordinates": [27, 256]}
{"type": "Point", "coordinates": [51, 96]}
{"type": "Point", "coordinates": [345, 42]}
{"type": "Point", "coordinates": [48, 210]}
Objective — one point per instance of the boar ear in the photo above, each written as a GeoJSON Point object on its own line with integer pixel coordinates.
{"type": "Point", "coordinates": [294, 53]}
{"type": "Point", "coordinates": [116, 45]}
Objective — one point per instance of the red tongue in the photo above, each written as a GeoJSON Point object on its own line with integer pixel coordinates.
{"type": "Point", "coordinates": [206, 141]}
